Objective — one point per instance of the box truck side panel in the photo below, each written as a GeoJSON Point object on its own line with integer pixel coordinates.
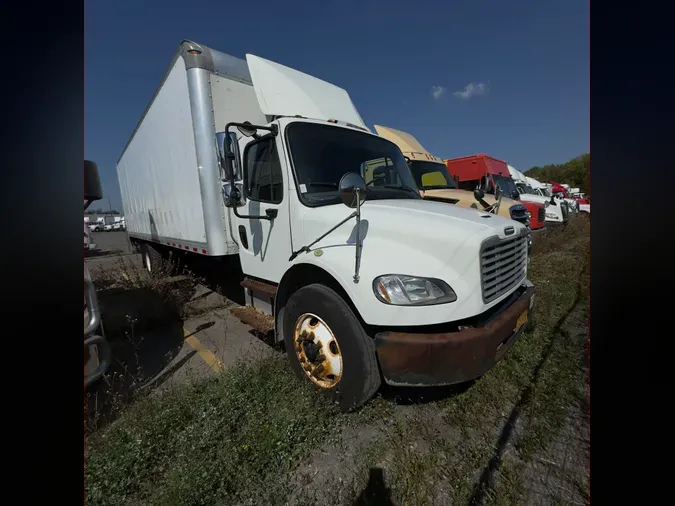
{"type": "Point", "coordinates": [158, 173]}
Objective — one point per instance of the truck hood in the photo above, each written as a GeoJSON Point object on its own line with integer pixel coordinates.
{"type": "Point", "coordinates": [409, 237]}
{"type": "Point", "coordinates": [395, 217]}
{"type": "Point", "coordinates": [463, 197]}
{"type": "Point", "coordinates": [528, 197]}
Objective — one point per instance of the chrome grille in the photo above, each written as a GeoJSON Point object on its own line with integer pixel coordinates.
{"type": "Point", "coordinates": [503, 264]}
{"type": "Point", "coordinates": [565, 210]}
{"type": "Point", "coordinates": [541, 214]}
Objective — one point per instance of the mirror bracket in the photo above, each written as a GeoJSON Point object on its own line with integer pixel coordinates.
{"type": "Point", "coordinates": [352, 190]}
{"type": "Point", "coordinates": [229, 156]}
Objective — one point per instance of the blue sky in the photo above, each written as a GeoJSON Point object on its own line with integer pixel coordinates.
{"type": "Point", "coordinates": [406, 65]}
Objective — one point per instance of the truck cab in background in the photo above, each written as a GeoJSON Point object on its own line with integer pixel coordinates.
{"type": "Point", "coordinates": [490, 175]}
{"type": "Point", "coordinates": [559, 190]}
{"type": "Point", "coordinates": [556, 212]}
{"type": "Point", "coordinates": [433, 180]}
{"type": "Point", "coordinates": [109, 223]}
{"type": "Point", "coordinates": [361, 281]}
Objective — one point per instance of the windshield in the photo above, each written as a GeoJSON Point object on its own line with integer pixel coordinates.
{"type": "Point", "coordinates": [322, 154]}
{"type": "Point", "coordinates": [430, 175]}
{"type": "Point", "coordinates": [544, 192]}
{"type": "Point", "coordinates": [506, 185]}
{"type": "Point", "coordinates": [523, 188]}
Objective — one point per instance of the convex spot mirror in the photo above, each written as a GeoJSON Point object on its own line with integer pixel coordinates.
{"type": "Point", "coordinates": [248, 130]}
{"type": "Point", "coordinates": [352, 189]}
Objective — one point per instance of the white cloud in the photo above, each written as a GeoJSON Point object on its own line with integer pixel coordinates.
{"type": "Point", "coordinates": [471, 90]}
{"type": "Point", "coordinates": [437, 92]}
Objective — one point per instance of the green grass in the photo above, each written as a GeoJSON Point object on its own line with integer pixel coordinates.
{"type": "Point", "coordinates": [212, 442]}
{"type": "Point", "coordinates": [240, 438]}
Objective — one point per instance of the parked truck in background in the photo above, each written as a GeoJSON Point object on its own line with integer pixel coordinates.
{"type": "Point", "coordinates": [109, 223]}
{"type": "Point", "coordinates": [433, 180]}
{"type": "Point", "coordinates": [119, 223]}
{"type": "Point", "coordinates": [560, 191]}
{"type": "Point", "coordinates": [359, 281]}
{"type": "Point", "coordinates": [96, 225]}
{"type": "Point", "coordinates": [489, 174]}
{"type": "Point", "coordinates": [556, 212]}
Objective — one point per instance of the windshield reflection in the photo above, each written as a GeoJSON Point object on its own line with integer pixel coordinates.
{"type": "Point", "coordinates": [322, 154]}
{"type": "Point", "coordinates": [431, 175]}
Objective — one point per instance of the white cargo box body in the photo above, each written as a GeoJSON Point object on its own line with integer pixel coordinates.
{"type": "Point", "coordinates": [169, 176]}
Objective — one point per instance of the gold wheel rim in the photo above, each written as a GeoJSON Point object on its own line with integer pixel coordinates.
{"type": "Point", "coordinates": [317, 351]}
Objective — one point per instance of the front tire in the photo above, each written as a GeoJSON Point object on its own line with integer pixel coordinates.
{"type": "Point", "coordinates": [328, 348]}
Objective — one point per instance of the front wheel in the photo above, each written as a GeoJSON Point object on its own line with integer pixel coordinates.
{"type": "Point", "coordinates": [328, 347]}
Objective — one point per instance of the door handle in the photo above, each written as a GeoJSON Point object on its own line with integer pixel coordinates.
{"type": "Point", "coordinates": [243, 237]}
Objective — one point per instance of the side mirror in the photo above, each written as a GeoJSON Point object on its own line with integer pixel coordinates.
{"type": "Point", "coordinates": [352, 189]}
{"type": "Point", "coordinates": [478, 194]}
{"type": "Point", "coordinates": [228, 155]}
{"type": "Point", "coordinates": [92, 182]}
{"type": "Point", "coordinates": [248, 130]}
{"type": "Point", "coordinates": [407, 160]}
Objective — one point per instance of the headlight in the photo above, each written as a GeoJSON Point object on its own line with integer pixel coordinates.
{"type": "Point", "coordinates": [400, 290]}
{"type": "Point", "coordinates": [529, 214]}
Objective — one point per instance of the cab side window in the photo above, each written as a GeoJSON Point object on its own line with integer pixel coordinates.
{"type": "Point", "coordinates": [263, 181]}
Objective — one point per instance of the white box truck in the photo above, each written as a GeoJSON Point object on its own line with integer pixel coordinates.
{"type": "Point", "coordinates": [360, 281]}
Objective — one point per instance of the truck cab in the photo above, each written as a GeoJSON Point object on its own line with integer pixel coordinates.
{"type": "Point", "coordinates": [352, 274]}
{"type": "Point", "coordinates": [561, 191]}
{"type": "Point", "coordinates": [556, 212]}
{"type": "Point", "coordinates": [434, 182]}
{"type": "Point", "coordinates": [109, 223]}
{"type": "Point", "coordinates": [490, 175]}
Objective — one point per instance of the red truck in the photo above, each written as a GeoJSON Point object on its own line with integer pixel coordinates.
{"type": "Point", "coordinates": [488, 173]}
{"type": "Point", "coordinates": [563, 191]}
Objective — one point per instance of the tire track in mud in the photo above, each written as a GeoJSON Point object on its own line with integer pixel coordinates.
{"type": "Point", "coordinates": [486, 480]}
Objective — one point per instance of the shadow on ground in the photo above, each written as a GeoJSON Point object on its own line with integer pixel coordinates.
{"type": "Point", "coordinates": [422, 395]}
{"type": "Point", "coordinates": [145, 332]}
{"type": "Point", "coordinates": [222, 275]}
{"type": "Point", "coordinates": [376, 492]}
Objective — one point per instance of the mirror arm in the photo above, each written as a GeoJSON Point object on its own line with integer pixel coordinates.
{"type": "Point", "coordinates": [357, 259]}
{"type": "Point", "coordinates": [270, 214]}
{"type": "Point", "coordinates": [305, 249]}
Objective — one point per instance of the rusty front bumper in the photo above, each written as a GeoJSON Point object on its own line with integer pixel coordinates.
{"type": "Point", "coordinates": [418, 359]}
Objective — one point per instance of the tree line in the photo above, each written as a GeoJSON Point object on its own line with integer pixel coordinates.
{"type": "Point", "coordinates": [574, 173]}
{"type": "Point", "coordinates": [101, 211]}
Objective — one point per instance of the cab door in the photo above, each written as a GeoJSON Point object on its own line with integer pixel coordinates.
{"type": "Point", "coordinates": [264, 245]}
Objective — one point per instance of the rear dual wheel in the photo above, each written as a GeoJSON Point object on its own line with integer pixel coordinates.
{"type": "Point", "coordinates": [152, 258]}
{"type": "Point", "coordinates": [328, 347]}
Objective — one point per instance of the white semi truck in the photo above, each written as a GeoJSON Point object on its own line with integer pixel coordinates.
{"type": "Point", "coordinates": [556, 212]}
{"type": "Point", "coordinates": [252, 159]}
